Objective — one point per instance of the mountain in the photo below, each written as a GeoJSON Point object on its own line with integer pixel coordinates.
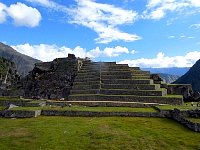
{"type": "Point", "coordinates": [191, 77]}
{"type": "Point", "coordinates": [23, 62]}
{"type": "Point", "coordinates": [8, 75]}
{"type": "Point", "coordinates": [172, 71]}
{"type": "Point", "coordinates": [168, 78]}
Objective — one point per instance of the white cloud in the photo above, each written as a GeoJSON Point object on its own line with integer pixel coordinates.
{"type": "Point", "coordinates": [157, 9]}
{"type": "Point", "coordinates": [113, 52]}
{"type": "Point", "coordinates": [133, 51]}
{"type": "Point", "coordinates": [46, 52]}
{"type": "Point", "coordinates": [104, 19]}
{"type": "Point", "coordinates": [195, 3]}
{"type": "Point", "coordinates": [21, 14]}
{"type": "Point", "coordinates": [195, 26]}
{"type": "Point", "coordinates": [45, 3]}
{"type": "Point", "coordinates": [165, 61]}
{"type": "Point", "coordinates": [191, 37]}
{"type": "Point", "coordinates": [2, 13]}
{"type": "Point", "coordinates": [24, 15]}
{"type": "Point", "coordinates": [171, 37]}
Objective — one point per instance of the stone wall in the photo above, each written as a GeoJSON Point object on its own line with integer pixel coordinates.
{"type": "Point", "coordinates": [178, 116]}
{"type": "Point", "coordinates": [101, 104]}
{"type": "Point", "coordinates": [99, 114]}
{"type": "Point", "coordinates": [179, 89]}
{"type": "Point", "coordinates": [20, 113]}
{"type": "Point", "coordinates": [50, 80]}
{"type": "Point", "coordinates": [21, 103]}
{"type": "Point", "coordinates": [149, 99]}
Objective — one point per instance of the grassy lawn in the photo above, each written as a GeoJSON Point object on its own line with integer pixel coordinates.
{"type": "Point", "coordinates": [89, 133]}
{"type": "Point", "coordinates": [96, 109]}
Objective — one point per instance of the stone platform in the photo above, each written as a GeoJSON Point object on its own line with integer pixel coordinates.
{"type": "Point", "coordinates": [108, 81]}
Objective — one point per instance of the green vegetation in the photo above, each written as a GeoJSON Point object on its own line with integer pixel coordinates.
{"type": "Point", "coordinates": [83, 108]}
{"type": "Point", "coordinates": [2, 107]}
{"type": "Point", "coordinates": [36, 101]}
{"type": "Point", "coordinates": [3, 66]}
{"type": "Point", "coordinates": [87, 133]}
{"type": "Point", "coordinates": [195, 120]}
{"type": "Point", "coordinates": [185, 106]}
{"type": "Point", "coordinates": [9, 98]}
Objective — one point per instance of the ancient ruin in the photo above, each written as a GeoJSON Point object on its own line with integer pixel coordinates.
{"type": "Point", "coordinates": [75, 79]}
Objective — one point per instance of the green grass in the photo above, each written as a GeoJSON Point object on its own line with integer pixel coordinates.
{"type": "Point", "coordinates": [93, 133]}
{"type": "Point", "coordinates": [185, 106]}
{"type": "Point", "coordinates": [36, 101]}
{"type": "Point", "coordinates": [2, 107]}
{"type": "Point", "coordinates": [195, 120]}
{"type": "Point", "coordinates": [9, 98]}
{"type": "Point", "coordinates": [96, 109]}
{"type": "Point", "coordinates": [27, 108]}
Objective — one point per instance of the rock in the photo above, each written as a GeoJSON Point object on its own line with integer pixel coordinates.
{"type": "Point", "coordinates": [12, 106]}
{"type": "Point", "coordinates": [50, 80]}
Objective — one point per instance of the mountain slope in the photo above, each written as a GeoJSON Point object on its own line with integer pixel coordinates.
{"type": "Point", "coordinates": [8, 73]}
{"type": "Point", "coordinates": [23, 62]}
{"type": "Point", "coordinates": [191, 77]}
{"type": "Point", "coordinates": [173, 70]}
{"type": "Point", "coordinates": [168, 78]}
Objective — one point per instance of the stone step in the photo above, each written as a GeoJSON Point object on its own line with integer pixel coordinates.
{"type": "Point", "coordinates": [90, 91]}
{"type": "Point", "coordinates": [131, 86]}
{"type": "Point", "coordinates": [140, 77]}
{"type": "Point", "coordinates": [107, 63]}
{"type": "Point", "coordinates": [172, 100]}
{"type": "Point", "coordinates": [91, 63]}
{"type": "Point", "coordinates": [84, 87]}
{"type": "Point", "coordinates": [107, 104]}
{"type": "Point", "coordinates": [125, 73]}
{"type": "Point", "coordinates": [83, 76]}
{"type": "Point", "coordinates": [127, 81]}
{"type": "Point", "coordinates": [116, 77]}
{"type": "Point", "coordinates": [161, 92]}
{"type": "Point", "coordinates": [90, 68]}
{"type": "Point", "coordinates": [133, 74]}
{"type": "Point", "coordinates": [114, 67]}
{"type": "Point", "coordinates": [134, 68]}
{"type": "Point", "coordinates": [139, 72]}
{"type": "Point", "coordinates": [86, 83]}
{"type": "Point", "coordinates": [88, 71]}
{"type": "Point", "coordinates": [87, 79]}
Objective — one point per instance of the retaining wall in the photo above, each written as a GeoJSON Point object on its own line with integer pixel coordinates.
{"type": "Point", "coordinates": [179, 117]}
{"type": "Point", "coordinates": [101, 104]}
{"type": "Point", "coordinates": [99, 114]}
{"type": "Point", "coordinates": [20, 113]}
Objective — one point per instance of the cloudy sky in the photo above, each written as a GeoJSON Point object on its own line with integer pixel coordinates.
{"type": "Point", "coordinates": [145, 33]}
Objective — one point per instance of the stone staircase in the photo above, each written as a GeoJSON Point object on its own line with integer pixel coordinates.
{"type": "Point", "coordinates": [108, 81]}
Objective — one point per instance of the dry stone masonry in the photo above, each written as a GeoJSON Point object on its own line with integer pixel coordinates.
{"type": "Point", "coordinates": [76, 79]}
{"type": "Point", "coordinates": [108, 81]}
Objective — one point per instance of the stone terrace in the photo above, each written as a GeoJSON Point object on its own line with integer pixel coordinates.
{"type": "Point", "coordinates": [108, 81]}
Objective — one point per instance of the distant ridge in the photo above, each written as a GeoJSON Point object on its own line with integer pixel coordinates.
{"type": "Point", "coordinates": [191, 77]}
{"type": "Point", "coordinates": [168, 78]}
{"type": "Point", "coordinates": [23, 62]}
{"type": "Point", "coordinates": [172, 70]}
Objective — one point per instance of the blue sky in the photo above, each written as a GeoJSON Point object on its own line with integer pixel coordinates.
{"type": "Point", "coordinates": [145, 33]}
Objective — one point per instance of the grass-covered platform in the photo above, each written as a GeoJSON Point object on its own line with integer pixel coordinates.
{"type": "Point", "coordinates": [85, 133]}
{"type": "Point", "coordinates": [84, 108]}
